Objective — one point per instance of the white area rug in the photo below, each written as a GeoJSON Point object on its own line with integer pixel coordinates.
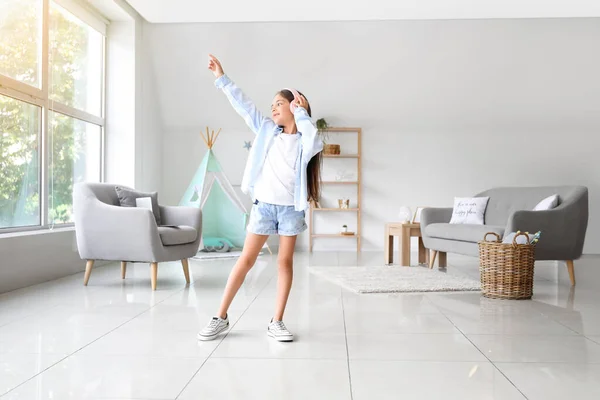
{"type": "Point", "coordinates": [214, 255]}
{"type": "Point", "coordinates": [395, 279]}
{"type": "Point", "coordinates": [217, 256]}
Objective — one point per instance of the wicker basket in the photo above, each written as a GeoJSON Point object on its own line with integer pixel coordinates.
{"type": "Point", "coordinates": [506, 269]}
{"type": "Point", "coordinates": [331, 149]}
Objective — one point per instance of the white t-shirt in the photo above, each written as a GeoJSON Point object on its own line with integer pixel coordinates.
{"type": "Point", "coordinates": [277, 179]}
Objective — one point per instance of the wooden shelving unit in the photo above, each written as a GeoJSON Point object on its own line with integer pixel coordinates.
{"type": "Point", "coordinates": [335, 209]}
{"type": "Point", "coordinates": [333, 235]}
{"type": "Point", "coordinates": [357, 209]}
{"type": "Point", "coordinates": [341, 156]}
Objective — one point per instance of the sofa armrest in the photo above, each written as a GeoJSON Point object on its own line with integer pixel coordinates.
{"type": "Point", "coordinates": [533, 221]}
{"type": "Point", "coordinates": [435, 216]}
{"type": "Point", "coordinates": [562, 229]}
{"type": "Point", "coordinates": [190, 216]}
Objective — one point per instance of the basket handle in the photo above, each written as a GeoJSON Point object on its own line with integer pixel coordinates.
{"type": "Point", "coordinates": [517, 235]}
{"type": "Point", "coordinates": [491, 233]}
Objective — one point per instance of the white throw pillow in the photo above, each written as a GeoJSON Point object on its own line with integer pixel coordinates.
{"type": "Point", "coordinates": [144, 202]}
{"type": "Point", "coordinates": [469, 210]}
{"type": "Point", "coordinates": [547, 204]}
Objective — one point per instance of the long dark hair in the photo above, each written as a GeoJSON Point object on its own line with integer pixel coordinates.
{"type": "Point", "coordinates": [313, 171]}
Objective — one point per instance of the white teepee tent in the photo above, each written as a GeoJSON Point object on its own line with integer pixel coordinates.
{"type": "Point", "coordinates": [224, 216]}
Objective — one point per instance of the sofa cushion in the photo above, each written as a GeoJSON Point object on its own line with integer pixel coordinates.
{"type": "Point", "coordinates": [506, 201]}
{"type": "Point", "coordinates": [175, 235]}
{"type": "Point", "coordinates": [547, 204]}
{"type": "Point", "coordinates": [462, 232]}
{"type": "Point", "coordinates": [469, 210]}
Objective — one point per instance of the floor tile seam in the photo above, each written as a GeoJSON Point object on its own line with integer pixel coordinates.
{"type": "Point", "coordinates": [489, 360]}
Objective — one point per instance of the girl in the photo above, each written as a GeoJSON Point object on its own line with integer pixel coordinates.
{"type": "Point", "coordinates": [282, 174]}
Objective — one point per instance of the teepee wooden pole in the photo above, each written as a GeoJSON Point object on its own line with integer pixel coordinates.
{"type": "Point", "coordinates": [209, 139]}
{"type": "Point", "coordinates": [205, 139]}
{"type": "Point", "coordinates": [217, 135]}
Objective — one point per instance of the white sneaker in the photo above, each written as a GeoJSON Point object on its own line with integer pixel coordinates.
{"type": "Point", "coordinates": [279, 332]}
{"type": "Point", "coordinates": [215, 326]}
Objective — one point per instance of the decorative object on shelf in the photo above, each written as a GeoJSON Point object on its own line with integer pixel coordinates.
{"type": "Point", "coordinates": [417, 215]}
{"type": "Point", "coordinates": [247, 145]}
{"type": "Point", "coordinates": [347, 233]}
{"type": "Point", "coordinates": [343, 175]}
{"type": "Point", "coordinates": [344, 228]}
{"type": "Point", "coordinates": [322, 129]}
{"type": "Point", "coordinates": [331, 149]}
{"type": "Point", "coordinates": [344, 203]}
{"type": "Point", "coordinates": [404, 214]}
{"type": "Point", "coordinates": [322, 126]}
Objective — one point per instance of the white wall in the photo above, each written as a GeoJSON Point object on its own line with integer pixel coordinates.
{"type": "Point", "coordinates": [120, 103]}
{"type": "Point", "coordinates": [150, 134]}
{"type": "Point", "coordinates": [34, 258]}
{"type": "Point", "coordinates": [133, 132]}
{"type": "Point", "coordinates": [448, 108]}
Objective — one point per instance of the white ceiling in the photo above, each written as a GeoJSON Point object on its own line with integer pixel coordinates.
{"type": "Point", "coordinates": [184, 11]}
{"type": "Point", "coordinates": [110, 9]}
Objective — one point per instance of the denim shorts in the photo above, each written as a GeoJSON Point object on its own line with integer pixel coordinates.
{"type": "Point", "coordinates": [271, 219]}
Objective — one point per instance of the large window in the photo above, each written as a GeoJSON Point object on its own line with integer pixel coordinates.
{"type": "Point", "coordinates": [51, 108]}
{"type": "Point", "coordinates": [19, 163]}
{"type": "Point", "coordinates": [21, 40]}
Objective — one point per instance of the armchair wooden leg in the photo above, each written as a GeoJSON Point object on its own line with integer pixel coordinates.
{"type": "Point", "coordinates": [434, 254]}
{"type": "Point", "coordinates": [442, 260]}
{"type": "Point", "coordinates": [571, 269]}
{"type": "Point", "coordinates": [123, 269]}
{"type": "Point", "coordinates": [154, 275]}
{"type": "Point", "coordinates": [88, 271]}
{"type": "Point", "coordinates": [186, 269]}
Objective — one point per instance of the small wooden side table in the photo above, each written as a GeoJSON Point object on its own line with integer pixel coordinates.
{"type": "Point", "coordinates": [405, 231]}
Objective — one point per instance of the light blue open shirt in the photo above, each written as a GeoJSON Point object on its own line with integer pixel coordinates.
{"type": "Point", "coordinates": [265, 130]}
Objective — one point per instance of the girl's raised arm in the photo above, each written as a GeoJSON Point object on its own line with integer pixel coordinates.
{"type": "Point", "coordinates": [241, 103]}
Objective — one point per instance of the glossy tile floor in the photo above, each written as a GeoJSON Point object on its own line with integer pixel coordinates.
{"type": "Point", "coordinates": [119, 340]}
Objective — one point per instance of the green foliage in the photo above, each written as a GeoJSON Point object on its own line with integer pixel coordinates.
{"type": "Point", "coordinates": [20, 133]}
{"type": "Point", "coordinates": [322, 126]}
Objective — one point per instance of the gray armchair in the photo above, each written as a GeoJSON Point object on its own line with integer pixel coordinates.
{"type": "Point", "coordinates": [107, 231]}
{"type": "Point", "coordinates": [510, 209]}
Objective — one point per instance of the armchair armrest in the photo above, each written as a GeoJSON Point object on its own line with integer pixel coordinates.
{"type": "Point", "coordinates": [107, 232]}
{"type": "Point", "coordinates": [190, 216]}
{"type": "Point", "coordinates": [435, 216]}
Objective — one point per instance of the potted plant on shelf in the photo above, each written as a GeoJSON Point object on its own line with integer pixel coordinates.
{"type": "Point", "coordinates": [322, 127]}
{"type": "Point", "coordinates": [344, 228]}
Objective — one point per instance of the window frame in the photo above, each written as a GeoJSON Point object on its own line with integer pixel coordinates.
{"type": "Point", "coordinates": [41, 97]}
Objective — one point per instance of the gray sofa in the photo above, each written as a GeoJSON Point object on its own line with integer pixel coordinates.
{"type": "Point", "coordinates": [107, 231]}
{"type": "Point", "coordinates": [510, 209]}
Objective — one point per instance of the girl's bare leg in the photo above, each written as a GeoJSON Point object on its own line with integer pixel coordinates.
{"type": "Point", "coordinates": [285, 274]}
{"type": "Point", "coordinates": [252, 246]}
